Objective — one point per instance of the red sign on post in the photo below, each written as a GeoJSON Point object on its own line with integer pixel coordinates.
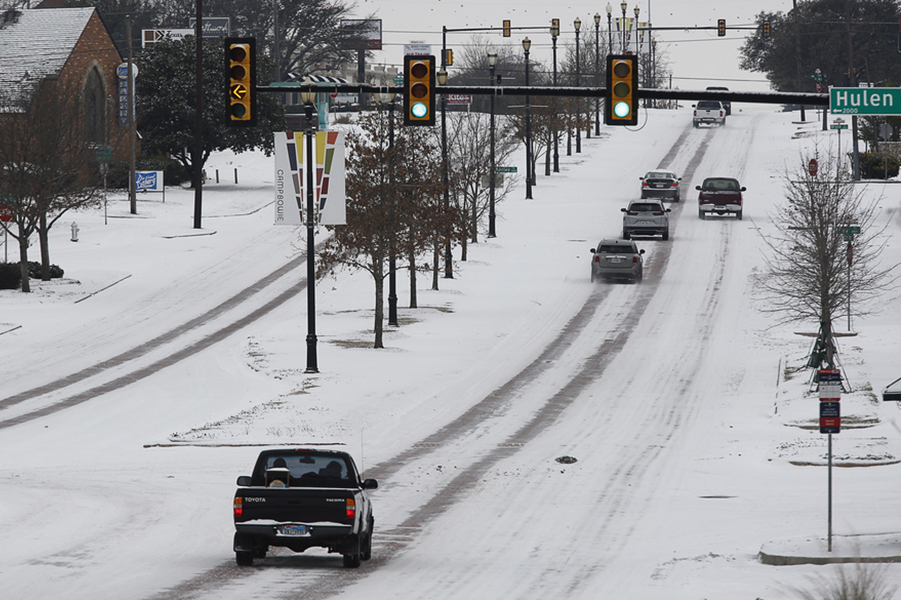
{"type": "Point", "coordinates": [812, 167]}
{"type": "Point", "coordinates": [830, 381]}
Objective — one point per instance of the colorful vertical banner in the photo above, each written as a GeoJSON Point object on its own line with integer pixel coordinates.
{"type": "Point", "coordinates": [291, 163]}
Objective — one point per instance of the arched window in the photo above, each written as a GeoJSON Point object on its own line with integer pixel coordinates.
{"type": "Point", "coordinates": [95, 108]}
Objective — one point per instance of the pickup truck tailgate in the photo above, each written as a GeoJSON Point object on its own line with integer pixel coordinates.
{"type": "Point", "coordinates": [286, 505]}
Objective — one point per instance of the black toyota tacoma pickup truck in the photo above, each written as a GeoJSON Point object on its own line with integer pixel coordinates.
{"type": "Point", "coordinates": [303, 498]}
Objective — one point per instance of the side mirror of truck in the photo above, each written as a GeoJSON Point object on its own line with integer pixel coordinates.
{"type": "Point", "coordinates": [370, 484]}
{"type": "Point", "coordinates": [697, 187]}
{"type": "Point", "coordinates": [744, 189]}
{"type": "Point", "coordinates": [244, 481]}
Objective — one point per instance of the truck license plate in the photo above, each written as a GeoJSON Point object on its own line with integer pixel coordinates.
{"type": "Point", "coordinates": [294, 530]}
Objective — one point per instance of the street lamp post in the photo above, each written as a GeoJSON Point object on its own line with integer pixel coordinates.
{"type": "Point", "coordinates": [312, 363]}
{"type": "Point", "coordinates": [578, 24]}
{"type": "Point", "coordinates": [637, 38]}
{"type": "Point", "coordinates": [448, 256]}
{"type": "Point", "coordinates": [555, 32]}
{"type": "Point", "coordinates": [492, 63]}
{"type": "Point", "coordinates": [609, 10]}
{"type": "Point", "coordinates": [388, 99]}
{"type": "Point", "coordinates": [526, 44]}
{"type": "Point", "coordinates": [622, 26]}
{"type": "Point", "coordinates": [597, 70]}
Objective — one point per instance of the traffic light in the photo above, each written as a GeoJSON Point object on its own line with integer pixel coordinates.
{"type": "Point", "coordinates": [721, 27]}
{"type": "Point", "coordinates": [448, 57]}
{"type": "Point", "coordinates": [506, 27]}
{"type": "Point", "coordinates": [621, 105]}
{"type": "Point", "coordinates": [241, 77]}
{"type": "Point", "coordinates": [419, 90]}
{"type": "Point", "coordinates": [766, 29]}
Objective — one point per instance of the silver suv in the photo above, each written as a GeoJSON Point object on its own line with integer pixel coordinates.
{"type": "Point", "coordinates": [645, 217]}
{"type": "Point", "coordinates": [617, 259]}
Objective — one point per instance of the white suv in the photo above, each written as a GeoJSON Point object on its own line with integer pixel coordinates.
{"type": "Point", "coordinates": [645, 217]}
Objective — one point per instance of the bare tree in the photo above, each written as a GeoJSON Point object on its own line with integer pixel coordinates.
{"type": "Point", "coordinates": [392, 202]}
{"type": "Point", "coordinates": [48, 164]}
{"type": "Point", "coordinates": [469, 155]}
{"type": "Point", "coordinates": [812, 270]}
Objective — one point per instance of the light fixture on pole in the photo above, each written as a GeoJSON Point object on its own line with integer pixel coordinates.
{"type": "Point", "coordinates": [555, 32]}
{"type": "Point", "coordinates": [578, 25]}
{"type": "Point", "coordinates": [492, 63]}
{"type": "Point", "coordinates": [526, 44]}
{"type": "Point", "coordinates": [622, 26]}
{"type": "Point", "coordinates": [597, 71]}
{"type": "Point", "coordinates": [308, 98]}
{"type": "Point", "coordinates": [637, 38]}
{"type": "Point", "coordinates": [448, 256]}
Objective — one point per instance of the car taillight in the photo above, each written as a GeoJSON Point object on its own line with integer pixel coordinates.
{"type": "Point", "coordinates": [644, 184]}
{"type": "Point", "coordinates": [674, 184]}
{"type": "Point", "coordinates": [631, 213]}
{"type": "Point", "coordinates": [597, 258]}
{"type": "Point", "coordinates": [239, 506]}
{"type": "Point", "coordinates": [722, 114]}
{"type": "Point", "coordinates": [657, 214]}
{"type": "Point", "coordinates": [350, 509]}
{"type": "Point", "coordinates": [634, 259]}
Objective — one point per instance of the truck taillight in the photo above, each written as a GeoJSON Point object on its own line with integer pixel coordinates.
{"type": "Point", "coordinates": [634, 259]}
{"type": "Point", "coordinates": [239, 506]}
{"type": "Point", "coordinates": [597, 258]}
{"type": "Point", "coordinates": [350, 509]}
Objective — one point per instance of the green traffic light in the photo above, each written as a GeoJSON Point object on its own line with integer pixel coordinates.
{"type": "Point", "coordinates": [419, 110]}
{"type": "Point", "coordinates": [621, 110]}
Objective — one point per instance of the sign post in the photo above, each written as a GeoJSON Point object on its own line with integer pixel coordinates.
{"type": "Point", "coordinates": [830, 383]}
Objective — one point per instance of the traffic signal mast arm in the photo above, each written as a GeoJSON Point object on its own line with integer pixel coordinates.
{"type": "Point", "coordinates": [808, 99]}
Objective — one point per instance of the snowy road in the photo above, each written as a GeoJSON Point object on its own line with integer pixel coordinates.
{"type": "Point", "coordinates": [134, 411]}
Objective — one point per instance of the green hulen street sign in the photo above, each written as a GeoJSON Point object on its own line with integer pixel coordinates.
{"type": "Point", "coordinates": [865, 101]}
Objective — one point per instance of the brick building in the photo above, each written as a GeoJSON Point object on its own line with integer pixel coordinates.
{"type": "Point", "coordinates": [64, 51]}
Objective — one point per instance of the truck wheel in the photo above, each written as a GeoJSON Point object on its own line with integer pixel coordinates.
{"type": "Point", "coordinates": [244, 559]}
{"type": "Point", "coordinates": [700, 214]}
{"type": "Point", "coordinates": [666, 235]}
{"type": "Point", "coordinates": [739, 215]}
{"type": "Point", "coordinates": [352, 559]}
{"type": "Point", "coordinates": [626, 235]}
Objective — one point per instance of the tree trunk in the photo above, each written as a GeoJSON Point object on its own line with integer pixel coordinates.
{"type": "Point", "coordinates": [379, 276]}
{"type": "Point", "coordinates": [411, 259]}
{"type": "Point", "coordinates": [43, 235]}
{"type": "Point", "coordinates": [435, 260]}
{"type": "Point", "coordinates": [23, 259]}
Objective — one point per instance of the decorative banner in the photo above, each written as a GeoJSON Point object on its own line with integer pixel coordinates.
{"type": "Point", "coordinates": [291, 178]}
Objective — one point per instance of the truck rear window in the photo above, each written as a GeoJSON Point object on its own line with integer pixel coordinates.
{"type": "Point", "coordinates": [305, 470]}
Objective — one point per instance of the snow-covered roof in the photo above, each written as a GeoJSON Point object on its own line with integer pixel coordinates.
{"type": "Point", "coordinates": [35, 43]}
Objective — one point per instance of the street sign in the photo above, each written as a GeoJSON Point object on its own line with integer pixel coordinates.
{"type": "Point", "coordinates": [398, 80]}
{"type": "Point", "coordinates": [459, 99]}
{"type": "Point", "coordinates": [505, 169]}
{"type": "Point", "coordinates": [865, 101]}
{"type": "Point", "coordinates": [830, 417]}
{"type": "Point", "coordinates": [838, 126]}
{"type": "Point", "coordinates": [849, 229]}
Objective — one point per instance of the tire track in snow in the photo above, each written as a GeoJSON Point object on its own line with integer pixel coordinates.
{"type": "Point", "coordinates": [310, 582]}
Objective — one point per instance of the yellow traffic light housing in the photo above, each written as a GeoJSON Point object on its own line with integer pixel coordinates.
{"type": "Point", "coordinates": [621, 105]}
{"type": "Point", "coordinates": [240, 65]}
{"type": "Point", "coordinates": [766, 29]}
{"type": "Point", "coordinates": [419, 90]}
{"type": "Point", "coordinates": [721, 27]}
{"type": "Point", "coordinates": [506, 27]}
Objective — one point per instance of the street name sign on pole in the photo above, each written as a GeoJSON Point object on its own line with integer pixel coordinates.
{"type": "Point", "coordinates": [499, 169]}
{"type": "Point", "coordinates": [865, 101]}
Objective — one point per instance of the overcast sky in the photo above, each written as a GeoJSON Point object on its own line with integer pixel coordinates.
{"type": "Point", "coordinates": [698, 57]}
